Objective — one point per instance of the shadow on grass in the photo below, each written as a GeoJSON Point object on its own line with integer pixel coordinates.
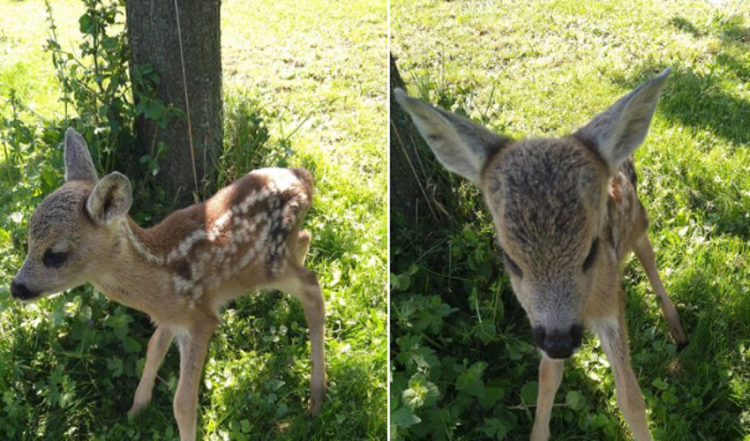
{"type": "Point", "coordinates": [274, 398]}
{"type": "Point", "coordinates": [684, 25]}
{"type": "Point", "coordinates": [722, 212]}
{"type": "Point", "coordinates": [701, 100]}
{"type": "Point", "coordinates": [63, 379]}
{"type": "Point", "coordinates": [690, 394]}
{"type": "Point", "coordinates": [715, 318]}
{"type": "Point", "coordinates": [733, 30]}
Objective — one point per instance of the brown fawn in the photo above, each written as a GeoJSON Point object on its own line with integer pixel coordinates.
{"type": "Point", "coordinates": [183, 270]}
{"type": "Point", "coordinates": [566, 214]}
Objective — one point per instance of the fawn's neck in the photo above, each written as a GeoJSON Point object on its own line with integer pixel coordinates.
{"type": "Point", "coordinates": [132, 273]}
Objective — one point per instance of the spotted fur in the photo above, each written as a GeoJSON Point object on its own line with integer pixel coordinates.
{"type": "Point", "coordinates": [257, 224]}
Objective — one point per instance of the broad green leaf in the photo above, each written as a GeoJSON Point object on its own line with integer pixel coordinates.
{"type": "Point", "coordinates": [404, 417]}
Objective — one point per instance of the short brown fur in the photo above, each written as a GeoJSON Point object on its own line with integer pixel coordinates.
{"type": "Point", "coordinates": [566, 214]}
{"type": "Point", "coordinates": [181, 271]}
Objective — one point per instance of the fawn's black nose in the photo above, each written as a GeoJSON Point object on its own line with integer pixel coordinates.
{"type": "Point", "coordinates": [556, 343]}
{"type": "Point", "coordinates": [20, 291]}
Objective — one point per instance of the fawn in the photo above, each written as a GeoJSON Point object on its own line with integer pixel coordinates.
{"type": "Point", "coordinates": [566, 214]}
{"type": "Point", "coordinates": [181, 271]}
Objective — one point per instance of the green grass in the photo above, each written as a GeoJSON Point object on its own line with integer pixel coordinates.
{"type": "Point", "coordinates": [462, 364]}
{"type": "Point", "coordinates": [312, 76]}
{"type": "Point", "coordinates": [24, 67]}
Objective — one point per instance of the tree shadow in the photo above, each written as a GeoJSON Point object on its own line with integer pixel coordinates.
{"type": "Point", "coordinates": [734, 31]}
{"type": "Point", "coordinates": [719, 218]}
{"type": "Point", "coordinates": [684, 25]}
{"type": "Point", "coordinates": [714, 329]}
{"type": "Point", "coordinates": [274, 397]}
{"type": "Point", "coordinates": [715, 318]}
{"type": "Point", "coordinates": [731, 30]}
{"type": "Point", "coordinates": [742, 71]}
{"type": "Point", "coordinates": [700, 101]}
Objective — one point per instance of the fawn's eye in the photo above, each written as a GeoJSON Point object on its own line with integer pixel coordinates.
{"type": "Point", "coordinates": [52, 259]}
{"type": "Point", "coordinates": [509, 263]}
{"type": "Point", "coordinates": [592, 255]}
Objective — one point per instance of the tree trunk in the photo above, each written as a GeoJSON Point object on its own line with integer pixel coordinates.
{"type": "Point", "coordinates": [153, 38]}
{"type": "Point", "coordinates": [404, 186]}
{"type": "Point", "coordinates": [407, 192]}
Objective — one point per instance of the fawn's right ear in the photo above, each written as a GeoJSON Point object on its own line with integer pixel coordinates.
{"type": "Point", "coordinates": [78, 163]}
{"type": "Point", "coordinates": [461, 145]}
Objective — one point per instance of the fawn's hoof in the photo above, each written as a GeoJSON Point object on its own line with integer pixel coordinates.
{"type": "Point", "coordinates": [136, 409]}
{"type": "Point", "coordinates": [681, 345]}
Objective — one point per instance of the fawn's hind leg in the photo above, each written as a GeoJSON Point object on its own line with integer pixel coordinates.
{"type": "Point", "coordinates": [302, 246]}
{"type": "Point", "coordinates": [645, 255]}
{"type": "Point", "coordinates": [303, 285]}
{"type": "Point", "coordinates": [193, 348]}
{"type": "Point", "coordinates": [311, 297]}
{"type": "Point", "coordinates": [613, 335]}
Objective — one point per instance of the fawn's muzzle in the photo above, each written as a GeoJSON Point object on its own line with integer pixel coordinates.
{"type": "Point", "coordinates": [21, 291]}
{"type": "Point", "coordinates": [556, 343]}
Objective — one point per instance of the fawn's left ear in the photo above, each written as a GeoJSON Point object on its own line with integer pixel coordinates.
{"type": "Point", "coordinates": [110, 198]}
{"type": "Point", "coordinates": [78, 163]}
{"type": "Point", "coordinates": [619, 130]}
{"type": "Point", "coordinates": [461, 145]}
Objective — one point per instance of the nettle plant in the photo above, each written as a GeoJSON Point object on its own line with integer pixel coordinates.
{"type": "Point", "coordinates": [99, 86]}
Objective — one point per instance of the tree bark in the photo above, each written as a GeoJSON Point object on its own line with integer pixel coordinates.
{"type": "Point", "coordinates": [411, 164]}
{"type": "Point", "coordinates": [404, 186]}
{"type": "Point", "coordinates": [153, 39]}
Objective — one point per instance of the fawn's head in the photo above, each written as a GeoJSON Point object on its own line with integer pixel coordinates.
{"type": "Point", "coordinates": [548, 200]}
{"type": "Point", "coordinates": [74, 229]}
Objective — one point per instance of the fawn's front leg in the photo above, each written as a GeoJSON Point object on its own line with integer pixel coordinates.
{"type": "Point", "coordinates": [550, 376]}
{"type": "Point", "coordinates": [193, 348]}
{"type": "Point", "coordinates": [157, 349]}
{"type": "Point", "coordinates": [613, 335]}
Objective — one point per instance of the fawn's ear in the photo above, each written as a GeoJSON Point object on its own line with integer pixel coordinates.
{"type": "Point", "coordinates": [619, 130]}
{"type": "Point", "coordinates": [78, 163]}
{"type": "Point", "coordinates": [110, 198]}
{"type": "Point", "coordinates": [461, 145]}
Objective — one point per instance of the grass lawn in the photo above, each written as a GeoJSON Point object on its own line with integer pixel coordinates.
{"type": "Point", "coordinates": [69, 365]}
{"type": "Point", "coordinates": [462, 362]}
